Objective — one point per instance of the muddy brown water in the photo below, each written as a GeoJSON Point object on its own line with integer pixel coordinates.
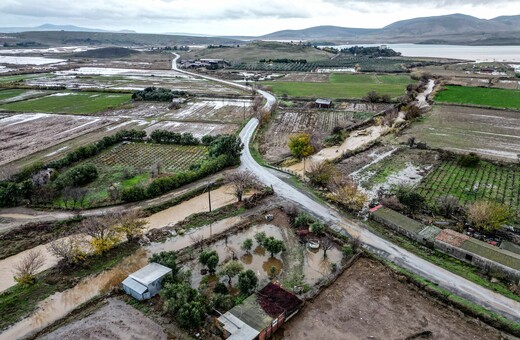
{"type": "Point", "coordinates": [60, 304]}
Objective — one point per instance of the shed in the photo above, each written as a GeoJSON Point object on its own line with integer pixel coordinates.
{"type": "Point", "coordinates": [323, 103]}
{"type": "Point", "coordinates": [146, 282]}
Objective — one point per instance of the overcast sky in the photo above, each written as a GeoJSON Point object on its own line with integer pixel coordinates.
{"type": "Point", "coordinates": [235, 17]}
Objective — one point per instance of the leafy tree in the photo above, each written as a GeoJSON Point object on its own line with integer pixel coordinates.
{"type": "Point", "coordinates": [231, 269]}
{"type": "Point", "coordinates": [489, 216]}
{"type": "Point", "coordinates": [317, 228]}
{"type": "Point", "coordinates": [167, 259]}
{"type": "Point", "coordinates": [222, 301]}
{"type": "Point", "coordinates": [303, 220]}
{"type": "Point", "coordinates": [209, 259]}
{"type": "Point", "coordinates": [300, 145]}
{"type": "Point", "coordinates": [247, 282]}
{"type": "Point", "coordinates": [273, 245]}
{"type": "Point", "coordinates": [247, 245]}
{"type": "Point", "coordinates": [77, 176]}
{"type": "Point", "coordinates": [220, 288]}
{"type": "Point", "coordinates": [407, 196]}
{"type": "Point", "coordinates": [191, 314]}
{"type": "Point", "coordinates": [228, 145]}
{"type": "Point", "coordinates": [470, 160]}
{"type": "Point", "coordinates": [260, 237]}
{"type": "Point", "coordinates": [133, 194]}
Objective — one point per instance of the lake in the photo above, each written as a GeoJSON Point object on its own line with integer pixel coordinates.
{"type": "Point", "coordinates": [477, 53]}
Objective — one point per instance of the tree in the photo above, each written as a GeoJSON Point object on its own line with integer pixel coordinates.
{"type": "Point", "coordinates": [68, 250]}
{"type": "Point", "coordinates": [76, 195]}
{"type": "Point", "coordinates": [167, 259]}
{"type": "Point", "coordinates": [321, 173]}
{"type": "Point", "coordinates": [102, 232]}
{"type": "Point", "coordinates": [185, 303]}
{"type": "Point", "coordinates": [209, 259]}
{"type": "Point", "coordinates": [303, 220]}
{"type": "Point", "coordinates": [347, 250]}
{"type": "Point", "coordinates": [247, 282]}
{"type": "Point", "coordinates": [228, 145]}
{"type": "Point", "coordinates": [241, 181]}
{"type": "Point", "coordinates": [260, 237]}
{"type": "Point", "coordinates": [131, 224]}
{"type": "Point", "coordinates": [317, 228]}
{"type": "Point", "coordinates": [447, 206]}
{"type": "Point", "coordinates": [346, 193]}
{"type": "Point", "coordinates": [25, 270]}
{"type": "Point", "coordinates": [407, 196]}
{"type": "Point", "coordinates": [489, 216]}
{"type": "Point", "coordinates": [231, 269]}
{"type": "Point", "coordinates": [273, 245]}
{"type": "Point", "coordinates": [221, 288]}
{"type": "Point", "coordinates": [326, 244]}
{"type": "Point", "coordinates": [247, 245]}
{"type": "Point", "coordinates": [301, 147]}
{"type": "Point", "coordinates": [191, 314]}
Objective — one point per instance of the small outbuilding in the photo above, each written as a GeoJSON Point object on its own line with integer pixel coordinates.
{"type": "Point", "coordinates": [323, 103]}
{"type": "Point", "coordinates": [146, 282]}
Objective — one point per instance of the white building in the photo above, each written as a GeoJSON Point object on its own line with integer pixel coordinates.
{"type": "Point", "coordinates": [146, 282]}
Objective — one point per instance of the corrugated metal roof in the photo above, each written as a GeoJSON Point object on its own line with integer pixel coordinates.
{"type": "Point", "coordinates": [134, 285]}
{"type": "Point", "coordinates": [238, 329]}
{"type": "Point", "coordinates": [150, 273]}
{"type": "Point", "coordinates": [323, 101]}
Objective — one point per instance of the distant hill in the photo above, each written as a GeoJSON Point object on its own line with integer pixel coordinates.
{"type": "Point", "coordinates": [449, 29]}
{"type": "Point", "coordinates": [106, 52]}
{"type": "Point", "coordinates": [51, 27]}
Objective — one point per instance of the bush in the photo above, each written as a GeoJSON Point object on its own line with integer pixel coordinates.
{"type": "Point", "coordinates": [167, 259]}
{"type": "Point", "coordinates": [220, 288]}
{"type": "Point", "coordinates": [303, 220]}
{"type": "Point", "coordinates": [347, 250]}
{"type": "Point", "coordinates": [409, 198]}
{"type": "Point", "coordinates": [470, 160]}
{"type": "Point", "coordinates": [318, 228]}
{"type": "Point", "coordinates": [247, 282]}
{"type": "Point", "coordinates": [260, 237]}
{"type": "Point", "coordinates": [489, 216]}
{"type": "Point", "coordinates": [156, 94]}
{"type": "Point", "coordinates": [77, 176]}
{"type": "Point", "coordinates": [133, 194]}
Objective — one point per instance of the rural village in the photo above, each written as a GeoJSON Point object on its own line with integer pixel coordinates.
{"type": "Point", "coordinates": [170, 187]}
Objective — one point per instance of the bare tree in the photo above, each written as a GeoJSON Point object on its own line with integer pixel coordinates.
{"type": "Point", "coordinates": [327, 244]}
{"type": "Point", "coordinates": [68, 250]}
{"type": "Point", "coordinates": [77, 196]}
{"type": "Point", "coordinates": [256, 105]}
{"type": "Point", "coordinates": [102, 231]}
{"type": "Point", "coordinates": [197, 240]}
{"type": "Point", "coordinates": [240, 182]}
{"type": "Point", "coordinates": [25, 270]}
{"type": "Point", "coordinates": [130, 224]}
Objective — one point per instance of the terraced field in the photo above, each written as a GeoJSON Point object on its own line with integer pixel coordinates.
{"type": "Point", "coordinates": [487, 181]}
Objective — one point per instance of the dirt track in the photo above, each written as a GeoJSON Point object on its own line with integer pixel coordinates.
{"type": "Point", "coordinates": [115, 321]}
{"type": "Point", "coordinates": [366, 302]}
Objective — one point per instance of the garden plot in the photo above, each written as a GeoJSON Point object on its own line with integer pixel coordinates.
{"type": "Point", "coordinates": [391, 167]}
{"type": "Point", "coordinates": [198, 130]}
{"type": "Point", "coordinates": [317, 122]}
{"type": "Point", "coordinates": [368, 302]}
{"type": "Point", "coordinates": [219, 110]}
{"type": "Point", "coordinates": [25, 134]}
{"type": "Point", "coordinates": [486, 181]}
{"type": "Point", "coordinates": [487, 132]}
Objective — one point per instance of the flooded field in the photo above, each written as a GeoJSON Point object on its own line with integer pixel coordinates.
{"type": "Point", "coordinates": [197, 129]}
{"type": "Point", "coordinates": [17, 60]}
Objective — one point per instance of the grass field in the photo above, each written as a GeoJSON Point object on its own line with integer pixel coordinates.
{"type": "Point", "coordinates": [70, 102]}
{"type": "Point", "coordinates": [126, 165]}
{"type": "Point", "coordinates": [500, 98]}
{"type": "Point", "coordinates": [487, 181]}
{"type": "Point", "coordinates": [10, 79]}
{"type": "Point", "coordinates": [344, 86]}
{"type": "Point", "coordinates": [7, 94]}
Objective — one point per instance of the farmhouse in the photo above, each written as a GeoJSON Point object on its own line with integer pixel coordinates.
{"type": "Point", "coordinates": [323, 103]}
{"type": "Point", "coordinates": [260, 315]}
{"type": "Point", "coordinates": [146, 282]}
{"type": "Point", "coordinates": [463, 247]}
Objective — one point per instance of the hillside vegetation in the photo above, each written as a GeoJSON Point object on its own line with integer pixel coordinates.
{"type": "Point", "coordinates": [107, 52]}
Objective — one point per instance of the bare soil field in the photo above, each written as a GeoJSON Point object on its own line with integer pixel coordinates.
{"type": "Point", "coordinates": [24, 134]}
{"type": "Point", "coordinates": [213, 110]}
{"type": "Point", "coordinates": [487, 132]}
{"type": "Point", "coordinates": [287, 122]}
{"type": "Point", "coordinates": [115, 321]}
{"type": "Point", "coordinates": [368, 302]}
{"type": "Point", "coordinates": [196, 129]}
{"type": "Point", "coordinates": [307, 77]}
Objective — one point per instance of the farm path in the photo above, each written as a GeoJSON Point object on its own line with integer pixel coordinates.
{"type": "Point", "coordinates": [15, 217]}
{"type": "Point", "coordinates": [349, 227]}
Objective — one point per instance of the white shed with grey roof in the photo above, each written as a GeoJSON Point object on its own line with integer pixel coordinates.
{"type": "Point", "coordinates": [146, 282]}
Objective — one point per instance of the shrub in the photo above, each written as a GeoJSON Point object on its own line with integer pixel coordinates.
{"type": "Point", "coordinates": [347, 250]}
{"type": "Point", "coordinates": [489, 216]}
{"type": "Point", "coordinates": [220, 288]}
{"type": "Point", "coordinates": [303, 220]}
{"type": "Point", "coordinates": [409, 198]}
{"type": "Point", "coordinates": [317, 228]}
{"type": "Point", "coordinates": [25, 270]}
{"type": "Point", "coordinates": [247, 282]}
{"type": "Point", "coordinates": [133, 194]}
{"type": "Point", "coordinates": [320, 174]}
{"type": "Point", "coordinates": [260, 237]}
{"type": "Point", "coordinates": [167, 259]}
{"type": "Point", "coordinates": [77, 176]}
{"type": "Point", "coordinates": [470, 160]}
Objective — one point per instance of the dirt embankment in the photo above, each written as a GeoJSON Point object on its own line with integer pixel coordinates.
{"type": "Point", "coordinates": [115, 321]}
{"type": "Point", "coordinates": [367, 302]}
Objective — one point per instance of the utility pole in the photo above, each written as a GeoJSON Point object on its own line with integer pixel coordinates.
{"type": "Point", "coordinates": [209, 196]}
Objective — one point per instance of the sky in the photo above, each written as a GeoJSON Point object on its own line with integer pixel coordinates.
{"type": "Point", "coordinates": [235, 17]}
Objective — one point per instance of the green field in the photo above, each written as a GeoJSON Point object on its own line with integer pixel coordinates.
{"type": "Point", "coordinates": [485, 182]}
{"type": "Point", "coordinates": [70, 102]}
{"type": "Point", "coordinates": [344, 86]}
{"type": "Point", "coordinates": [500, 98]}
{"type": "Point", "coordinates": [126, 165]}
{"type": "Point", "coordinates": [7, 94]}
{"type": "Point", "coordinates": [21, 77]}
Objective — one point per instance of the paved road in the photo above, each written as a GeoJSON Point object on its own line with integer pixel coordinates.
{"type": "Point", "coordinates": [443, 278]}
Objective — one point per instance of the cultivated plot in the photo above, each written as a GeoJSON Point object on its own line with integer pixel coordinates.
{"type": "Point", "coordinates": [24, 134]}
{"type": "Point", "coordinates": [198, 129]}
{"type": "Point", "coordinates": [499, 98]}
{"type": "Point", "coordinates": [490, 133]}
{"type": "Point", "coordinates": [216, 110]}
{"type": "Point", "coordinates": [484, 182]}
{"type": "Point", "coordinates": [344, 86]}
